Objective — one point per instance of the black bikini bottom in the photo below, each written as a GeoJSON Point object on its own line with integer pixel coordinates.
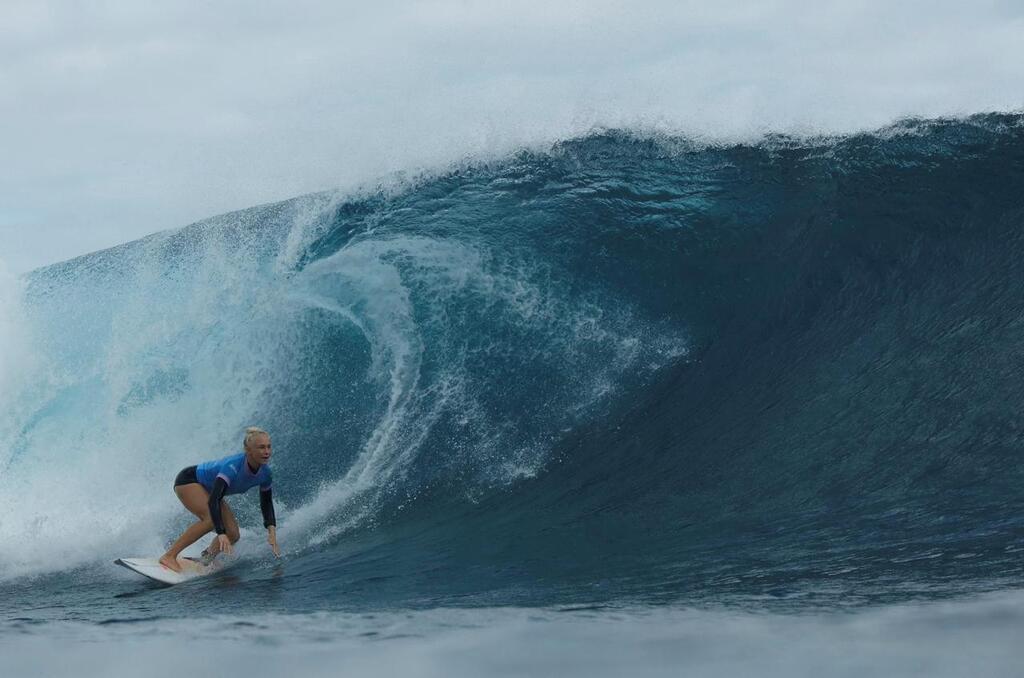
{"type": "Point", "coordinates": [185, 476]}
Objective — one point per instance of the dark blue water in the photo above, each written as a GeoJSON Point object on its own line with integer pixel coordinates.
{"type": "Point", "coordinates": [624, 370]}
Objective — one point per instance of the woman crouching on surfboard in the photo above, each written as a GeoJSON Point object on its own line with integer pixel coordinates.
{"type": "Point", "coordinates": [202, 489]}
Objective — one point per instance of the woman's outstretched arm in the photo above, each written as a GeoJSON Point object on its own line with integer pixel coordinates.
{"type": "Point", "coordinates": [269, 521]}
{"type": "Point", "coordinates": [220, 486]}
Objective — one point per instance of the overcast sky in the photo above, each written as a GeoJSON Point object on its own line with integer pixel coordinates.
{"type": "Point", "coordinates": [122, 118]}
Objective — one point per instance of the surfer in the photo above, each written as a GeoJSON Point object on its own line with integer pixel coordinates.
{"type": "Point", "coordinates": [202, 489]}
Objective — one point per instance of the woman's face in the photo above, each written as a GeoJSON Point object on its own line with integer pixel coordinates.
{"type": "Point", "coordinates": [258, 448]}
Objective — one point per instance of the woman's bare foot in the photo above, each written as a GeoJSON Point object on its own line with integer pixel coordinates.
{"type": "Point", "coordinates": [171, 563]}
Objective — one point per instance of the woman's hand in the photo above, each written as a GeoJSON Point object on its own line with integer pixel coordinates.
{"type": "Point", "coordinates": [224, 543]}
{"type": "Point", "coordinates": [272, 540]}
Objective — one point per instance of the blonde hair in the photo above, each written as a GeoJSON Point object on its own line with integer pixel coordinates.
{"type": "Point", "coordinates": [252, 432]}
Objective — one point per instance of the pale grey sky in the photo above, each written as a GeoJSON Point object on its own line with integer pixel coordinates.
{"type": "Point", "coordinates": [122, 118]}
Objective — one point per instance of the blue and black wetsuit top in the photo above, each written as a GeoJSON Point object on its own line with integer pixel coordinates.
{"type": "Point", "coordinates": [233, 475]}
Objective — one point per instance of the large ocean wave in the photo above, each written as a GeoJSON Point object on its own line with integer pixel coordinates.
{"type": "Point", "coordinates": [625, 367]}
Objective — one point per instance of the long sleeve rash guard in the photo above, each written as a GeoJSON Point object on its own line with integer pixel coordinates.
{"type": "Point", "coordinates": [232, 475]}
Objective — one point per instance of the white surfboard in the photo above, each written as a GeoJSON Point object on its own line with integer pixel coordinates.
{"type": "Point", "coordinates": [151, 568]}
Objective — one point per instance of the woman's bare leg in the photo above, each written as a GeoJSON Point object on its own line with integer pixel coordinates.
{"type": "Point", "coordinates": [230, 528]}
{"type": "Point", "coordinates": [196, 499]}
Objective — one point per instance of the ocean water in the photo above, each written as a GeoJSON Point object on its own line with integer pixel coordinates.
{"type": "Point", "coordinates": [629, 405]}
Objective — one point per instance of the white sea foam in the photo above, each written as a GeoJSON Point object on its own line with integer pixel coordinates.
{"type": "Point", "coordinates": [945, 639]}
{"type": "Point", "coordinates": [131, 376]}
{"type": "Point", "coordinates": [16, 359]}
